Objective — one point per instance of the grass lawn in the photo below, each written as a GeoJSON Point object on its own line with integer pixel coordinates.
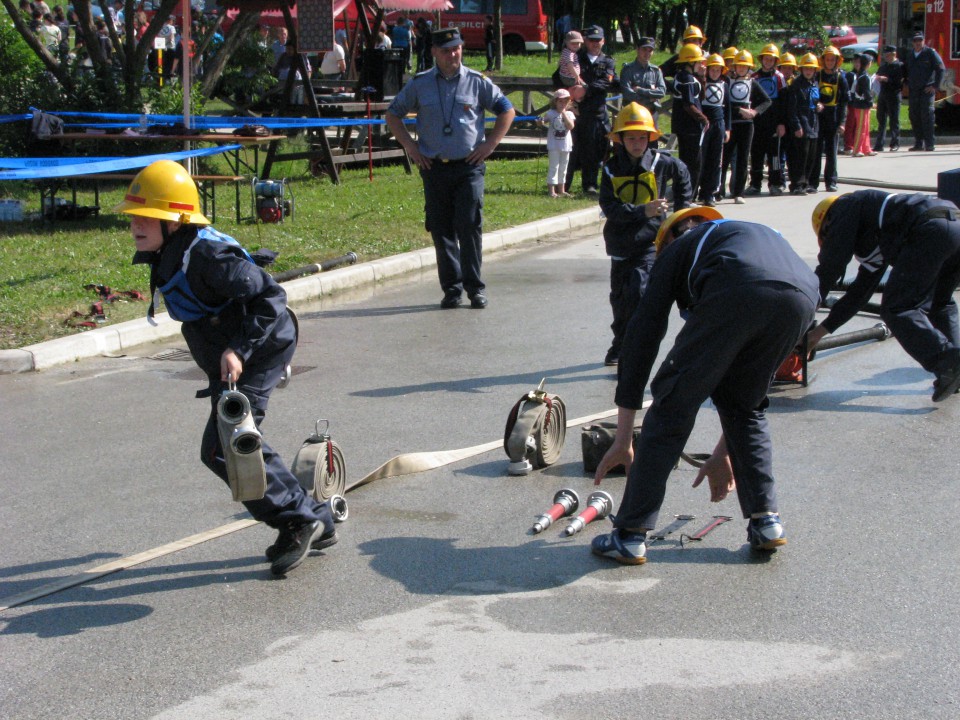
{"type": "Point", "coordinates": [43, 268]}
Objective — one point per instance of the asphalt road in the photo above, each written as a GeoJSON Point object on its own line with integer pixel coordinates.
{"type": "Point", "coordinates": [436, 603]}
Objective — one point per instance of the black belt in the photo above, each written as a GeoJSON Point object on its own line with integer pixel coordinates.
{"type": "Point", "coordinates": [444, 161]}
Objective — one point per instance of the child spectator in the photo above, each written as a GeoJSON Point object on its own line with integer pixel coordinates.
{"type": "Point", "coordinates": [559, 121]}
{"type": "Point", "coordinates": [861, 102]}
{"type": "Point", "coordinates": [803, 113]}
{"type": "Point", "coordinates": [633, 196]}
{"type": "Point", "coordinates": [569, 68]}
{"type": "Point", "coordinates": [688, 121]}
{"type": "Point", "coordinates": [747, 100]}
{"type": "Point", "coordinates": [716, 106]}
{"type": "Point", "coordinates": [833, 97]}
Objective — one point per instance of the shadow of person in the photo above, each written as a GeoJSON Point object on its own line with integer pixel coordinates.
{"type": "Point", "coordinates": [73, 619]}
{"type": "Point", "coordinates": [437, 566]}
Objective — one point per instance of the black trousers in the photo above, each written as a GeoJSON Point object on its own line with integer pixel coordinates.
{"type": "Point", "coordinates": [690, 151]}
{"type": "Point", "coordinates": [590, 146]}
{"type": "Point", "coordinates": [737, 153]}
{"type": "Point", "coordinates": [284, 501]}
{"type": "Point", "coordinates": [711, 158]}
{"type": "Point", "coordinates": [918, 304]}
{"type": "Point", "coordinates": [729, 356]}
{"type": "Point", "coordinates": [765, 150]}
{"type": "Point", "coordinates": [803, 162]}
{"type": "Point", "coordinates": [628, 281]}
{"type": "Point", "coordinates": [888, 108]}
{"type": "Point", "coordinates": [453, 195]}
{"type": "Point", "coordinates": [827, 145]}
{"type": "Point", "coordinates": [922, 118]}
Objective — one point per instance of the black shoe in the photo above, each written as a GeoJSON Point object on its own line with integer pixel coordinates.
{"type": "Point", "coordinates": [798, 191]}
{"type": "Point", "coordinates": [284, 543]}
{"type": "Point", "coordinates": [612, 358]}
{"type": "Point", "coordinates": [915, 148]}
{"type": "Point", "coordinates": [591, 191]}
{"type": "Point", "coordinates": [930, 149]}
{"type": "Point", "coordinates": [948, 381]}
{"type": "Point", "coordinates": [894, 148]}
{"type": "Point", "coordinates": [478, 301]}
{"type": "Point", "coordinates": [811, 190]}
{"type": "Point", "coordinates": [301, 537]}
{"type": "Point", "coordinates": [751, 190]}
{"type": "Point", "coordinates": [831, 188]}
{"type": "Point", "coordinates": [878, 149]}
{"type": "Point", "coordinates": [451, 300]}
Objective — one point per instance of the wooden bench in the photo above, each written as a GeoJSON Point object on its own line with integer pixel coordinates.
{"type": "Point", "coordinates": [205, 185]}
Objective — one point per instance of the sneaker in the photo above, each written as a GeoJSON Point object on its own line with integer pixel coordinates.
{"type": "Point", "coordinates": [478, 301]}
{"type": "Point", "coordinates": [915, 148]}
{"type": "Point", "coordinates": [302, 537]}
{"type": "Point", "coordinates": [894, 148]}
{"type": "Point", "coordinates": [765, 533]}
{"type": "Point", "coordinates": [284, 543]}
{"type": "Point", "coordinates": [857, 154]}
{"type": "Point", "coordinates": [872, 153]}
{"type": "Point", "coordinates": [948, 381]}
{"type": "Point", "coordinates": [798, 191]}
{"type": "Point", "coordinates": [739, 201]}
{"type": "Point", "coordinates": [811, 190]}
{"type": "Point", "coordinates": [775, 190]}
{"type": "Point", "coordinates": [626, 548]}
{"type": "Point", "coordinates": [831, 188]}
{"type": "Point", "coordinates": [709, 202]}
{"type": "Point", "coordinates": [877, 150]}
{"type": "Point", "coordinates": [612, 358]}
{"type": "Point", "coordinates": [451, 300]}
{"type": "Point", "coordinates": [591, 192]}
{"type": "Point", "coordinates": [752, 191]}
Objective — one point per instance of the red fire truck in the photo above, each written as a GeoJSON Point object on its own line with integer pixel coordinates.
{"type": "Point", "coordinates": [939, 21]}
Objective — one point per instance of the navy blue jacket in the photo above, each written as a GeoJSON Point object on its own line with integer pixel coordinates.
{"type": "Point", "coordinates": [255, 322]}
{"type": "Point", "coordinates": [698, 266]}
{"type": "Point", "coordinates": [600, 78]}
{"type": "Point", "coordinates": [871, 226]}
{"type": "Point", "coordinates": [628, 232]}
{"type": "Point", "coordinates": [802, 98]}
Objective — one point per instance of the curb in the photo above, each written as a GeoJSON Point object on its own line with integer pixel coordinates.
{"type": "Point", "coordinates": [119, 338]}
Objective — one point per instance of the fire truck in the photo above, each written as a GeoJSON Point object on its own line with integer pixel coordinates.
{"type": "Point", "coordinates": [939, 21]}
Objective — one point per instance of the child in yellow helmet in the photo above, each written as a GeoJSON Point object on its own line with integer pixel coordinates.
{"type": "Point", "coordinates": [634, 186]}
{"type": "Point", "coordinates": [235, 321]}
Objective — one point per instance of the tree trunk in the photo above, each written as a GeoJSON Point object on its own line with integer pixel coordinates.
{"type": "Point", "coordinates": [244, 24]}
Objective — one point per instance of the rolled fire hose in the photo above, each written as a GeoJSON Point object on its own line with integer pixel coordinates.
{"type": "Point", "coordinates": [319, 466]}
{"type": "Point", "coordinates": [242, 446]}
{"type": "Point", "coordinates": [535, 431]}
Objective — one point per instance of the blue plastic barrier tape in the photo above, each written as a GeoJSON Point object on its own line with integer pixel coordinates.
{"type": "Point", "coordinates": [100, 166]}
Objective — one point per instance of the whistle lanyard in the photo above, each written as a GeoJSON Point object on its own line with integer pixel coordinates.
{"type": "Point", "coordinates": [447, 126]}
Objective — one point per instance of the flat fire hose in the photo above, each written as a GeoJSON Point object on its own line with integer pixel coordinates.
{"type": "Point", "coordinates": [319, 465]}
{"type": "Point", "coordinates": [405, 464]}
{"type": "Point", "coordinates": [535, 431]}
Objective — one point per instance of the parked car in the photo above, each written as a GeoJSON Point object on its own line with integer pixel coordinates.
{"type": "Point", "coordinates": [850, 50]}
{"type": "Point", "coordinates": [838, 35]}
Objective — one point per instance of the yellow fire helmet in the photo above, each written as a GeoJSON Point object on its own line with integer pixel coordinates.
{"type": "Point", "coordinates": [744, 58]}
{"type": "Point", "coordinates": [730, 53]}
{"type": "Point", "coordinates": [716, 60]}
{"type": "Point", "coordinates": [832, 50]}
{"type": "Point", "coordinates": [689, 53]}
{"type": "Point", "coordinates": [787, 59]}
{"type": "Point", "coordinates": [810, 61]}
{"type": "Point", "coordinates": [164, 190]}
{"type": "Point", "coordinates": [693, 33]}
{"type": "Point", "coordinates": [634, 116]}
{"type": "Point", "coordinates": [820, 214]}
{"type": "Point", "coordinates": [771, 50]}
{"type": "Point", "coordinates": [664, 233]}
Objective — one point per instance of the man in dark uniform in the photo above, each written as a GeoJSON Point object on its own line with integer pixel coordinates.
{"type": "Point", "coordinates": [924, 71]}
{"type": "Point", "coordinates": [450, 150]}
{"type": "Point", "coordinates": [599, 73]}
{"type": "Point", "coordinates": [235, 321]}
{"type": "Point", "coordinates": [890, 77]}
{"type": "Point", "coordinates": [919, 237]}
{"type": "Point", "coordinates": [713, 270]}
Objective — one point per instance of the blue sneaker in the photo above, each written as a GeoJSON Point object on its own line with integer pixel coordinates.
{"type": "Point", "coordinates": [765, 533]}
{"type": "Point", "coordinates": [626, 548]}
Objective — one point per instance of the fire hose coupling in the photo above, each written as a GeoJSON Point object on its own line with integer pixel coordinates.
{"type": "Point", "coordinates": [242, 445]}
{"type": "Point", "coordinates": [535, 431]}
{"type": "Point", "coordinates": [338, 508]}
{"type": "Point", "coordinates": [599, 505]}
{"type": "Point", "coordinates": [565, 503]}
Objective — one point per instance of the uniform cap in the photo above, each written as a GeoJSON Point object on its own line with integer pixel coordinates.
{"type": "Point", "coordinates": [446, 38]}
{"type": "Point", "coordinates": [594, 32]}
{"type": "Point", "coordinates": [646, 42]}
